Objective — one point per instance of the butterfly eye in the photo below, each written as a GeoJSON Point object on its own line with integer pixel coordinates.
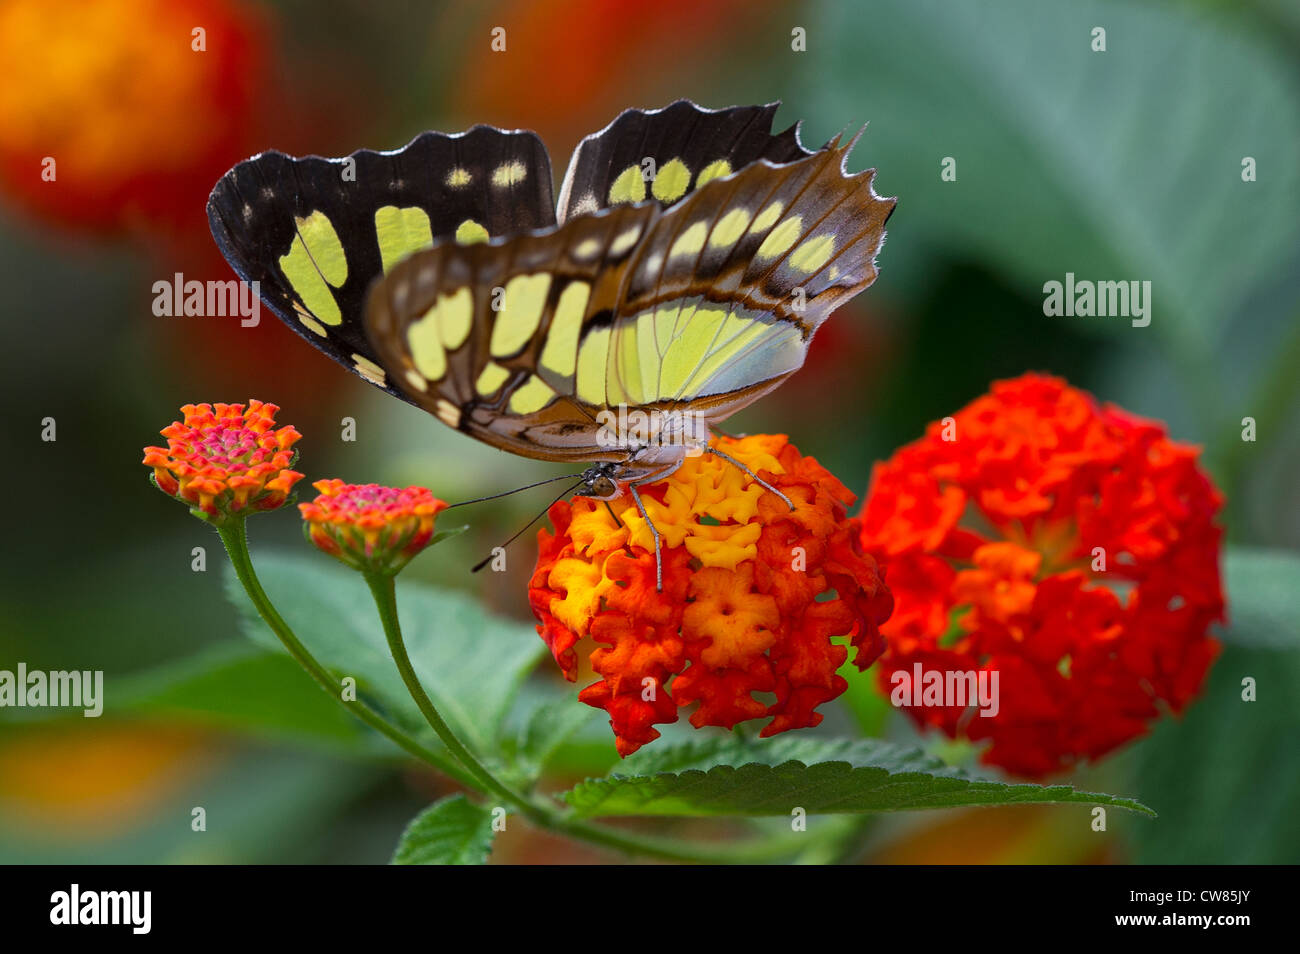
{"type": "Point", "coordinates": [601, 488]}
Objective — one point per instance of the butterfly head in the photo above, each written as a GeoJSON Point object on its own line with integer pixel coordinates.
{"type": "Point", "coordinates": [601, 481]}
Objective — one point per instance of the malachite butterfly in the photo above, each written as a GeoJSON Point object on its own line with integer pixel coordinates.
{"type": "Point", "coordinates": [690, 259]}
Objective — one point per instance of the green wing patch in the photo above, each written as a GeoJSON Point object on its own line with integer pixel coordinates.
{"type": "Point", "coordinates": [728, 286]}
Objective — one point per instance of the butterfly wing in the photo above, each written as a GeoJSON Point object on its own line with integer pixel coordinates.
{"type": "Point", "coordinates": [726, 290]}
{"type": "Point", "coordinates": [522, 341]}
{"type": "Point", "coordinates": [663, 154]}
{"type": "Point", "coordinates": [508, 340]}
{"type": "Point", "coordinates": [315, 233]}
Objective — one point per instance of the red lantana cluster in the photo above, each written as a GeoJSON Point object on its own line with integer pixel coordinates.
{"type": "Point", "coordinates": [226, 461]}
{"type": "Point", "coordinates": [753, 594]}
{"type": "Point", "coordinates": [369, 527]}
{"type": "Point", "coordinates": [1069, 547]}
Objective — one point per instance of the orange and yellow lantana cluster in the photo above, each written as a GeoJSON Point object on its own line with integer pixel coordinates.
{"type": "Point", "coordinates": [754, 594]}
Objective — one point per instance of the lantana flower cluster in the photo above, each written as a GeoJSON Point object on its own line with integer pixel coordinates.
{"type": "Point", "coordinates": [369, 527]}
{"type": "Point", "coordinates": [226, 460]}
{"type": "Point", "coordinates": [1068, 546]}
{"type": "Point", "coordinates": [754, 594]}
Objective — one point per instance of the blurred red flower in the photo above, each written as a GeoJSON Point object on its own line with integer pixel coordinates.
{"type": "Point", "coordinates": [1067, 546]}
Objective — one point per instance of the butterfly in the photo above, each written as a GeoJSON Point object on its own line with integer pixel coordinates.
{"type": "Point", "coordinates": [681, 276]}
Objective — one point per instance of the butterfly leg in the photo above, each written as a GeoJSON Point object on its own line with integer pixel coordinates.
{"type": "Point", "coordinates": [757, 479]}
{"type": "Point", "coordinates": [659, 563]}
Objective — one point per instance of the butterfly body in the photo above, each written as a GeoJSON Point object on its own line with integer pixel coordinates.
{"type": "Point", "coordinates": [689, 262]}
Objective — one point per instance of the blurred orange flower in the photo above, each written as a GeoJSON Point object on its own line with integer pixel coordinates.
{"type": "Point", "coordinates": [1068, 547]}
{"type": "Point", "coordinates": [753, 594]}
{"type": "Point", "coordinates": [595, 54]}
{"type": "Point", "coordinates": [369, 527]}
{"type": "Point", "coordinates": [112, 116]}
{"type": "Point", "coordinates": [226, 461]}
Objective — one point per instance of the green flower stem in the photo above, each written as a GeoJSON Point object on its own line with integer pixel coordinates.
{"type": "Point", "coordinates": [672, 849]}
{"type": "Point", "coordinates": [465, 768]}
{"type": "Point", "coordinates": [235, 537]}
{"type": "Point", "coordinates": [468, 771]}
{"type": "Point", "coordinates": [383, 588]}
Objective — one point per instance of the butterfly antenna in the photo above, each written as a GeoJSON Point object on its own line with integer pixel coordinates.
{"type": "Point", "coordinates": [507, 493]}
{"type": "Point", "coordinates": [488, 559]}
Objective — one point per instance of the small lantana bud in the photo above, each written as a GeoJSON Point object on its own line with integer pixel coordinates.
{"type": "Point", "coordinates": [226, 461]}
{"type": "Point", "coordinates": [369, 527]}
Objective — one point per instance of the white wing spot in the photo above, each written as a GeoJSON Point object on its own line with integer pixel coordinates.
{"type": "Point", "coordinates": [625, 241]}
{"type": "Point", "coordinates": [447, 412]}
{"type": "Point", "coordinates": [584, 205]}
{"type": "Point", "coordinates": [369, 370]}
{"type": "Point", "coordinates": [309, 322]}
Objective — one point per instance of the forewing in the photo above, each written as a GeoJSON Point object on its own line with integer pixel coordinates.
{"type": "Point", "coordinates": [315, 233]}
{"type": "Point", "coordinates": [665, 153]}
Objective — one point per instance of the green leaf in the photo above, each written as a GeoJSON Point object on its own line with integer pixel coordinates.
{"type": "Point", "coordinates": [548, 727]}
{"type": "Point", "coordinates": [448, 534]}
{"type": "Point", "coordinates": [1263, 588]}
{"type": "Point", "coordinates": [237, 686]}
{"type": "Point", "coordinates": [1227, 774]}
{"type": "Point", "coordinates": [726, 777]}
{"type": "Point", "coordinates": [453, 831]}
{"type": "Point", "coordinates": [1124, 164]}
{"type": "Point", "coordinates": [470, 663]}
